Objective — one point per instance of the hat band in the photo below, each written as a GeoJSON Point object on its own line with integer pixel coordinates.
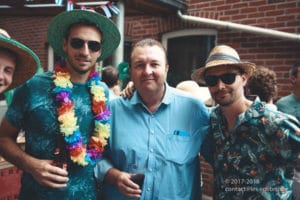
{"type": "Point", "coordinates": [220, 56]}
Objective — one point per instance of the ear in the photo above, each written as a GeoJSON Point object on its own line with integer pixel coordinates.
{"type": "Point", "coordinates": [244, 79]}
{"type": "Point", "coordinates": [167, 68]}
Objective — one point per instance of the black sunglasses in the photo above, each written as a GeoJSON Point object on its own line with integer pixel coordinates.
{"type": "Point", "coordinates": [227, 78]}
{"type": "Point", "coordinates": [78, 43]}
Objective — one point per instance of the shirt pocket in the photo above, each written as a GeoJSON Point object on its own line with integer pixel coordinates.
{"type": "Point", "coordinates": [182, 147]}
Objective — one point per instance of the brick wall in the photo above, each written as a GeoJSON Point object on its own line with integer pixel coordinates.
{"type": "Point", "coordinates": [10, 177]}
{"type": "Point", "coordinates": [277, 54]}
{"type": "Point", "coordinates": [281, 15]}
{"type": "Point", "coordinates": [31, 31]}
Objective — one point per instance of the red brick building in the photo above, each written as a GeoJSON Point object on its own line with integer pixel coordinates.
{"type": "Point", "coordinates": [188, 42]}
{"type": "Point", "coordinates": [270, 51]}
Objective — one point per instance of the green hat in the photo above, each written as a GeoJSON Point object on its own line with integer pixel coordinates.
{"type": "Point", "coordinates": [59, 25]}
{"type": "Point", "coordinates": [27, 61]}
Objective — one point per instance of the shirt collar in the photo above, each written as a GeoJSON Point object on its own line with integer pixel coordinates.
{"type": "Point", "coordinates": [166, 99]}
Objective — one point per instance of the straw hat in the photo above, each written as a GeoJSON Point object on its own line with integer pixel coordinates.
{"type": "Point", "coordinates": [27, 60]}
{"type": "Point", "coordinates": [222, 56]}
{"type": "Point", "coordinates": [59, 25]}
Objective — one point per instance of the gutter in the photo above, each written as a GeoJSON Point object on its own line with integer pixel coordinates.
{"type": "Point", "coordinates": [241, 27]}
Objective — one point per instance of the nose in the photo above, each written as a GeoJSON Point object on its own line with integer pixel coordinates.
{"type": "Point", "coordinates": [148, 69]}
{"type": "Point", "coordinates": [85, 49]}
{"type": "Point", "coordinates": [220, 84]}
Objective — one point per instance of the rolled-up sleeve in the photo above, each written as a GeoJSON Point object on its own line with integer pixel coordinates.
{"type": "Point", "coordinates": [101, 169]}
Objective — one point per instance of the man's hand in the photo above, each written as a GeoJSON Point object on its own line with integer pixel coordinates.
{"type": "Point", "coordinates": [47, 174]}
{"type": "Point", "coordinates": [125, 185]}
{"type": "Point", "coordinates": [127, 92]}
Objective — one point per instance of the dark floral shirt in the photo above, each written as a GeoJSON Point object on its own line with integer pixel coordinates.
{"type": "Point", "coordinates": [34, 110]}
{"type": "Point", "coordinates": [256, 159]}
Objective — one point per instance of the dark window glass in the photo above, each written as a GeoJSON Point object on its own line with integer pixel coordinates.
{"type": "Point", "coordinates": [185, 54]}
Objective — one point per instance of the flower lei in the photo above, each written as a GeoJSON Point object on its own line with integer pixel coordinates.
{"type": "Point", "coordinates": [69, 128]}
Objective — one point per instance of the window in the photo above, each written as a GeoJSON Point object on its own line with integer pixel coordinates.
{"type": "Point", "coordinates": [187, 50]}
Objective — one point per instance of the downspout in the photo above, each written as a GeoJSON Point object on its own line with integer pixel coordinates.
{"type": "Point", "coordinates": [118, 55]}
{"type": "Point", "coordinates": [241, 27]}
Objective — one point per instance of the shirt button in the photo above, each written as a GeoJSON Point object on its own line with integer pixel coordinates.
{"type": "Point", "coordinates": [152, 132]}
{"type": "Point", "coordinates": [150, 169]}
{"type": "Point", "coordinates": [148, 189]}
{"type": "Point", "coordinates": [151, 150]}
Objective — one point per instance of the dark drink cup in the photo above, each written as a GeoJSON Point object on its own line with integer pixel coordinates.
{"type": "Point", "coordinates": [138, 179]}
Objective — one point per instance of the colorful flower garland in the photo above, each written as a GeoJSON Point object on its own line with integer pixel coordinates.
{"type": "Point", "coordinates": [78, 152]}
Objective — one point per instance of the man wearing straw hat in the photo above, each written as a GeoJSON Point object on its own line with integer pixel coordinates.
{"type": "Point", "coordinates": [63, 113]}
{"type": "Point", "coordinates": [255, 149]}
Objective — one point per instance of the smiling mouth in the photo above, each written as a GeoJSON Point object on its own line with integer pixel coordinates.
{"type": "Point", "coordinates": [221, 94]}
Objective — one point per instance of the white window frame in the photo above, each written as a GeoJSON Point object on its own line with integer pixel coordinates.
{"type": "Point", "coordinates": [186, 32]}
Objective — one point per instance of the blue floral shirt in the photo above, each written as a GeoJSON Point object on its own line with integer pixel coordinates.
{"type": "Point", "coordinates": [34, 110]}
{"type": "Point", "coordinates": [256, 159]}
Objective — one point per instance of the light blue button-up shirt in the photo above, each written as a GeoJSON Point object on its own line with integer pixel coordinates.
{"type": "Point", "coordinates": [163, 145]}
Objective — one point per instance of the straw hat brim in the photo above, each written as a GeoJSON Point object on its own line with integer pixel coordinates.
{"type": "Point", "coordinates": [27, 61]}
{"type": "Point", "coordinates": [198, 74]}
{"type": "Point", "coordinates": [59, 25]}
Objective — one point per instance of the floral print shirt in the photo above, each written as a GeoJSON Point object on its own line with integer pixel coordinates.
{"type": "Point", "coordinates": [256, 158]}
{"type": "Point", "coordinates": [33, 109]}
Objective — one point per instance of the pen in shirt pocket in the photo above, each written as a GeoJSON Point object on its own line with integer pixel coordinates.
{"type": "Point", "coordinates": [181, 133]}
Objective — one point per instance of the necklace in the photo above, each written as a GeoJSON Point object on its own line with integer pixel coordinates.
{"type": "Point", "coordinates": [79, 153]}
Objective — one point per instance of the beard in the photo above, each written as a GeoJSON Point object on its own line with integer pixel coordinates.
{"type": "Point", "coordinates": [80, 68]}
{"type": "Point", "coordinates": [223, 97]}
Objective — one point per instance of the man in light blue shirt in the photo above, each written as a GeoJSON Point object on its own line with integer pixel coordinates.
{"type": "Point", "coordinates": [158, 133]}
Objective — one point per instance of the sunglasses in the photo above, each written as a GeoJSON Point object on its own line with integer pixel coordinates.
{"type": "Point", "coordinates": [227, 78]}
{"type": "Point", "coordinates": [78, 43]}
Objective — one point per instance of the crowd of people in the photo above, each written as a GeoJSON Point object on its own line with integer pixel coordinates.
{"type": "Point", "coordinates": [85, 141]}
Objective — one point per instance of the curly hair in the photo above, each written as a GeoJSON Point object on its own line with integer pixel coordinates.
{"type": "Point", "coordinates": [263, 83]}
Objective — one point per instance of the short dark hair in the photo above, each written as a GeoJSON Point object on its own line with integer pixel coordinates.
{"type": "Point", "coordinates": [83, 23]}
{"type": "Point", "coordinates": [110, 76]}
{"type": "Point", "coordinates": [294, 69]}
{"type": "Point", "coordinates": [150, 42]}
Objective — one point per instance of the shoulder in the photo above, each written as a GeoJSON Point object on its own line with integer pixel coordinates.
{"type": "Point", "coordinates": [37, 82]}
{"type": "Point", "coordinates": [187, 103]}
{"type": "Point", "coordinates": [284, 103]}
{"type": "Point", "coordinates": [40, 79]}
{"type": "Point", "coordinates": [115, 102]}
{"type": "Point", "coordinates": [285, 99]}
{"type": "Point", "coordinates": [270, 116]}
